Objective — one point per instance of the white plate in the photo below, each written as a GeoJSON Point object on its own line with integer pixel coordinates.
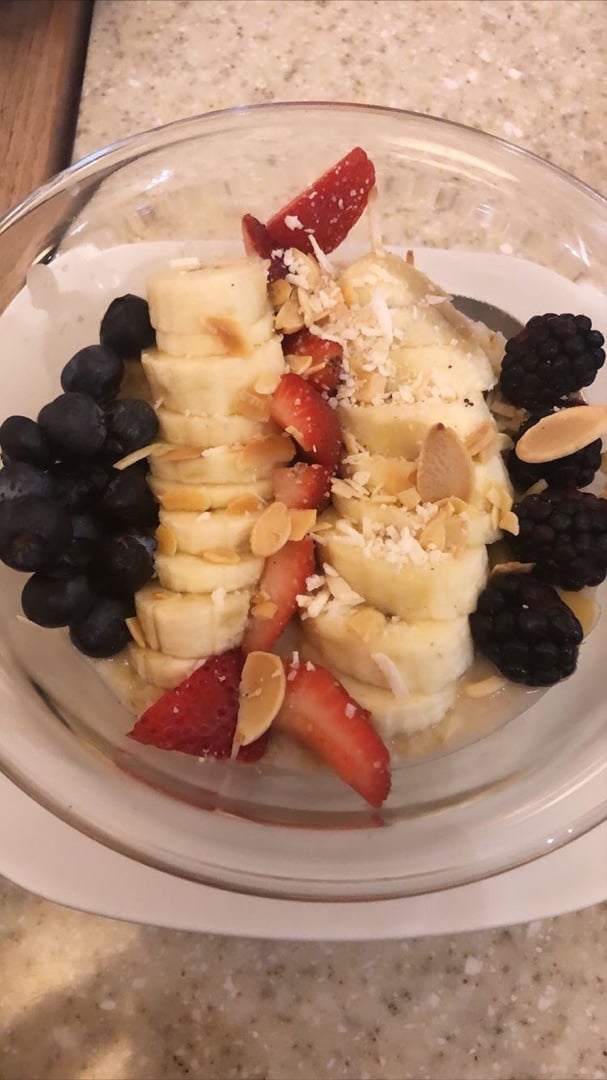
{"type": "Point", "coordinates": [41, 853]}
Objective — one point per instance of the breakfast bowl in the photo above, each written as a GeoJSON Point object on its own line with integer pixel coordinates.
{"type": "Point", "coordinates": [511, 776]}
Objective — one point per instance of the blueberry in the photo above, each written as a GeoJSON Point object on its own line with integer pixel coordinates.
{"type": "Point", "coordinates": [80, 488]}
{"type": "Point", "coordinates": [102, 631]}
{"type": "Point", "coordinates": [130, 424]}
{"type": "Point", "coordinates": [74, 425]}
{"type": "Point", "coordinates": [34, 533]}
{"type": "Point", "coordinates": [56, 599]}
{"type": "Point", "coordinates": [83, 550]}
{"type": "Point", "coordinates": [22, 440]}
{"type": "Point", "coordinates": [126, 326]}
{"type": "Point", "coordinates": [19, 480]}
{"type": "Point", "coordinates": [96, 371]}
{"type": "Point", "coordinates": [125, 564]}
{"type": "Point", "coordinates": [128, 500]}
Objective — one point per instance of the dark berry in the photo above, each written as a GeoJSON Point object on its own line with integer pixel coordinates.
{"type": "Point", "coordinates": [128, 501]}
{"type": "Point", "coordinates": [74, 426]}
{"type": "Point", "coordinates": [56, 599]}
{"type": "Point", "coordinates": [131, 424]}
{"type": "Point", "coordinates": [125, 564]}
{"type": "Point", "coordinates": [574, 471]}
{"type": "Point", "coordinates": [87, 535]}
{"type": "Point", "coordinates": [96, 371]}
{"type": "Point", "coordinates": [19, 481]}
{"type": "Point", "coordinates": [80, 489]}
{"type": "Point", "coordinates": [126, 327]}
{"type": "Point", "coordinates": [539, 645]}
{"type": "Point", "coordinates": [564, 532]}
{"type": "Point", "coordinates": [102, 631]}
{"type": "Point", "coordinates": [34, 533]}
{"type": "Point", "coordinates": [552, 357]}
{"type": "Point", "coordinates": [21, 439]}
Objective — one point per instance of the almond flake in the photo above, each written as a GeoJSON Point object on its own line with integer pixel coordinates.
{"type": "Point", "coordinates": [480, 438]}
{"type": "Point", "coordinates": [244, 504]}
{"type": "Point", "coordinates": [410, 498]}
{"type": "Point", "coordinates": [562, 433]}
{"type": "Point", "coordinates": [266, 609]}
{"type": "Point", "coordinates": [485, 687]}
{"type": "Point", "coordinates": [221, 556]}
{"type": "Point", "coordinates": [289, 319]}
{"type": "Point", "coordinates": [342, 592]}
{"type": "Point", "coordinates": [371, 389]}
{"type": "Point", "coordinates": [134, 629]}
{"type": "Point", "coordinates": [271, 530]}
{"type": "Point", "coordinates": [301, 523]}
{"type": "Point", "coordinates": [279, 292]}
{"type": "Point", "coordinates": [267, 383]}
{"type": "Point", "coordinates": [181, 453]}
{"type": "Point", "coordinates": [167, 541]}
{"type": "Point", "coordinates": [445, 466]}
{"type": "Point", "coordinates": [261, 694]}
{"type": "Point", "coordinates": [299, 364]}
{"type": "Point", "coordinates": [509, 522]}
{"type": "Point", "coordinates": [512, 568]}
{"type": "Point", "coordinates": [434, 533]}
{"type": "Point", "coordinates": [253, 406]}
{"type": "Point", "coordinates": [295, 432]}
{"type": "Point", "coordinates": [137, 455]}
{"type": "Point", "coordinates": [535, 489]}
{"type": "Point", "coordinates": [267, 450]}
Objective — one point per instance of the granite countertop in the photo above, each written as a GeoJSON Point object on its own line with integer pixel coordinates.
{"type": "Point", "coordinates": [84, 997]}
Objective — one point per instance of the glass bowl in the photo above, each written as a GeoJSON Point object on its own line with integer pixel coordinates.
{"type": "Point", "coordinates": [488, 220]}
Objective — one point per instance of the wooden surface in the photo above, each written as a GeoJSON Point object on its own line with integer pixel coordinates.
{"type": "Point", "coordinates": [42, 52]}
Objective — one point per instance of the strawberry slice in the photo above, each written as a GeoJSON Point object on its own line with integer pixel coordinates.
{"type": "Point", "coordinates": [298, 407]}
{"type": "Point", "coordinates": [318, 712]}
{"type": "Point", "coordinates": [302, 486]}
{"type": "Point", "coordinates": [257, 241]}
{"type": "Point", "coordinates": [283, 578]}
{"type": "Point", "coordinates": [326, 358]}
{"type": "Point", "coordinates": [328, 208]}
{"type": "Point", "coordinates": [199, 716]}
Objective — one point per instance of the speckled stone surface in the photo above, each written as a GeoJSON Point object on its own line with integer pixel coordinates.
{"type": "Point", "coordinates": [84, 997]}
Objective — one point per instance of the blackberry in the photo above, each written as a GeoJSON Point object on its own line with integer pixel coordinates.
{"type": "Point", "coordinates": [574, 471]}
{"type": "Point", "coordinates": [564, 532]}
{"type": "Point", "coordinates": [525, 628]}
{"type": "Point", "coordinates": [552, 356]}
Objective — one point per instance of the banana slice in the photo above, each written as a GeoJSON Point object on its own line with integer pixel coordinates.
{"type": "Point", "coordinates": [174, 496]}
{"type": "Point", "coordinates": [200, 298]}
{"type": "Point", "coordinates": [444, 589]}
{"type": "Point", "coordinates": [393, 715]}
{"type": "Point", "coordinates": [209, 531]}
{"type": "Point", "coordinates": [158, 669]}
{"type": "Point", "coordinates": [181, 429]}
{"type": "Point", "coordinates": [453, 368]}
{"type": "Point", "coordinates": [190, 626]}
{"type": "Point", "coordinates": [428, 655]}
{"type": "Point", "coordinates": [477, 525]}
{"type": "Point", "coordinates": [213, 384]}
{"type": "Point", "coordinates": [227, 464]}
{"type": "Point", "coordinates": [397, 430]}
{"type": "Point", "coordinates": [192, 574]}
{"type": "Point", "coordinates": [211, 342]}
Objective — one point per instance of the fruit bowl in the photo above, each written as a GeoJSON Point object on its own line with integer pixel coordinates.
{"type": "Point", "coordinates": [514, 779]}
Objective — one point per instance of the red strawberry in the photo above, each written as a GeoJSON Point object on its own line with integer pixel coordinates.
{"type": "Point", "coordinates": [295, 404]}
{"type": "Point", "coordinates": [199, 716]}
{"type": "Point", "coordinates": [283, 578]}
{"type": "Point", "coordinates": [328, 208]}
{"type": "Point", "coordinates": [318, 712]}
{"type": "Point", "coordinates": [326, 358]}
{"type": "Point", "coordinates": [302, 486]}
{"type": "Point", "coordinates": [257, 241]}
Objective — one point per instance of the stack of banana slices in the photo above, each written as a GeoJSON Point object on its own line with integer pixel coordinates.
{"type": "Point", "coordinates": [423, 491]}
{"type": "Point", "coordinates": [211, 375]}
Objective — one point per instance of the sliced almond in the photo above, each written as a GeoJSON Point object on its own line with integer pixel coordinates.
{"type": "Point", "coordinates": [535, 489]}
{"type": "Point", "coordinates": [229, 333]}
{"type": "Point", "coordinates": [267, 450]}
{"type": "Point", "coordinates": [410, 498]}
{"type": "Point", "coordinates": [261, 694]}
{"type": "Point", "coordinates": [166, 539]}
{"type": "Point", "coordinates": [266, 609]}
{"type": "Point", "coordinates": [485, 687]}
{"type": "Point", "coordinates": [138, 455]}
{"type": "Point", "coordinates": [245, 504]}
{"type": "Point", "coordinates": [279, 292]}
{"type": "Point", "coordinates": [134, 629]}
{"type": "Point", "coordinates": [562, 433]}
{"type": "Point", "coordinates": [254, 406]}
{"type": "Point", "coordinates": [509, 522]}
{"type": "Point", "coordinates": [480, 438]}
{"type": "Point", "coordinates": [371, 388]}
{"type": "Point", "coordinates": [512, 568]}
{"type": "Point", "coordinates": [271, 530]}
{"type": "Point", "coordinates": [302, 521]}
{"type": "Point", "coordinates": [182, 453]}
{"type": "Point", "coordinates": [299, 364]}
{"type": "Point", "coordinates": [434, 533]}
{"type": "Point", "coordinates": [344, 593]}
{"type": "Point", "coordinates": [221, 556]}
{"type": "Point", "coordinates": [289, 319]}
{"type": "Point", "coordinates": [295, 433]}
{"type": "Point", "coordinates": [445, 466]}
{"type": "Point", "coordinates": [584, 607]}
{"type": "Point", "coordinates": [267, 383]}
